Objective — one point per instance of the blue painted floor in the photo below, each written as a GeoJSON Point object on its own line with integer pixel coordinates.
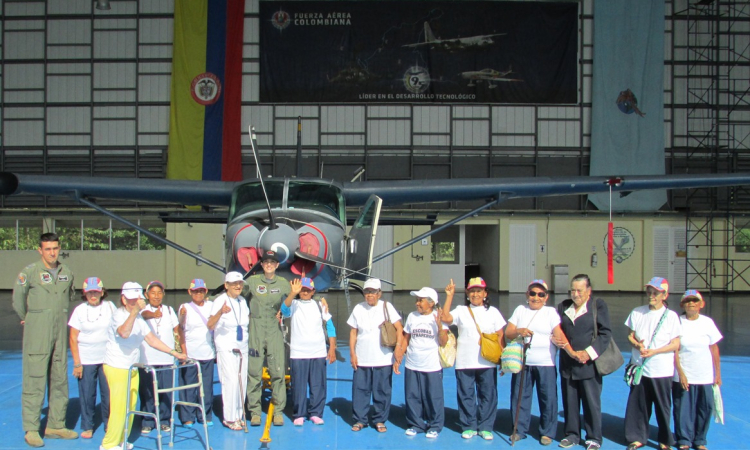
{"type": "Point", "coordinates": [336, 433]}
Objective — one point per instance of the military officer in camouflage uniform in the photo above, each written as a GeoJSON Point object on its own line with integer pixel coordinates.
{"type": "Point", "coordinates": [41, 298]}
{"type": "Point", "coordinates": [266, 291]}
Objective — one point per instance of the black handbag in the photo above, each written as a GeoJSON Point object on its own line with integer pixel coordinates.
{"type": "Point", "coordinates": [611, 359]}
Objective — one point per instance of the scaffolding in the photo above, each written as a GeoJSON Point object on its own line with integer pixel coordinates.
{"type": "Point", "coordinates": [711, 93]}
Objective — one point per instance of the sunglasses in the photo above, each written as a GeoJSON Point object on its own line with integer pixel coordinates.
{"type": "Point", "coordinates": [540, 294]}
{"type": "Point", "coordinates": [691, 300]}
{"type": "Point", "coordinates": [371, 291]}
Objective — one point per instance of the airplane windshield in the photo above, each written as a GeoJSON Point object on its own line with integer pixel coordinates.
{"type": "Point", "coordinates": [319, 197]}
{"type": "Point", "coordinates": [249, 197]}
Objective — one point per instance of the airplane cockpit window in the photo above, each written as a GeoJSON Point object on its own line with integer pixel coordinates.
{"type": "Point", "coordinates": [249, 197]}
{"type": "Point", "coordinates": [318, 197]}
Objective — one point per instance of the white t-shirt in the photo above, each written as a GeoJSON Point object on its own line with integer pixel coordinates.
{"type": "Point", "coordinates": [422, 353]}
{"type": "Point", "coordinates": [198, 338]}
{"type": "Point", "coordinates": [225, 333]}
{"type": "Point", "coordinates": [308, 339]}
{"type": "Point", "coordinates": [366, 319]}
{"type": "Point", "coordinates": [92, 323]}
{"type": "Point", "coordinates": [643, 321]}
{"type": "Point", "coordinates": [163, 328]}
{"type": "Point", "coordinates": [123, 353]}
{"type": "Point", "coordinates": [695, 356]}
{"type": "Point", "coordinates": [542, 351]}
{"type": "Point", "coordinates": [468, 353]}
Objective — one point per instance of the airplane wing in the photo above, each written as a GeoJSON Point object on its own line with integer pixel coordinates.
{"type": "Point", "coordinates": [427, 191]}
{"type": "Point", "coordinates": [219, 193]}
{"type": "Point", "coordinates": [185, 192]}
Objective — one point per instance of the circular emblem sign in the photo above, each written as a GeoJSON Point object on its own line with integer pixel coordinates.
{"type": "Point", "coordinates": [206, 88]}
{"type": "Point", "coordinates": [280, 19]}
{"type": "Point", "coordinates": [623, 244]}
{"type": "Point", "coordinates": [416, 79]}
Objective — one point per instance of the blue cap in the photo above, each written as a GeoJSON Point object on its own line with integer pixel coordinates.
{"type": "Point", "coordinates": [197, 284]}
{"type": "Point", "coordinates": [308, 283]}
{"type": "Point", "coordinates": [659, 283]}
{"type": "Point", "coordinates": [93, 284]}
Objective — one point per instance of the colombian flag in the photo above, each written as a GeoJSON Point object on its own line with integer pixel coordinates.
{"type": "Point", "coordinates": [204, 123]}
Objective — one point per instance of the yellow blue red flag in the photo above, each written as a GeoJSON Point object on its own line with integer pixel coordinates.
{"type": "Point", "coordinates": [204, 127]}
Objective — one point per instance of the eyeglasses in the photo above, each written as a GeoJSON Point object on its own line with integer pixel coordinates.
{"type": "Point", "coordinates": [307, 291]}
{"type": "Point", "coordinates": [371, 291]}
{"type": "Point", "coordinates": [653, 292]}
{"type": "Point", "coordinates": [690, 300]}
{"type": "Point", "coordinates": [540, 294]}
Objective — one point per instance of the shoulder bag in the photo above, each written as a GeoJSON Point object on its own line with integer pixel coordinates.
{"type": "Point", "coordinates": [388, 333]}
{"type": "Point", "coordinates": [611, 359]}
{"type": "Point", "coordinates": [633, 372]}
{"type": "Point", "coordinates": [489, 344]}
{"type": "Point", "coordinates": [448, 353]}
{"type": "Point", "coordinates": [512, 357]}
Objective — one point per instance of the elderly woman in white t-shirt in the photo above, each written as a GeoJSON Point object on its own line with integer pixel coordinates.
{"type": "Point", "coordinates": [230, 318]}
{"type": "Point", "coordinates": [126, 332]}
{"type": "Point", "coordinates": [163, 322]}
{"type": "Point", "coordinates": [198, 342]}
{"type": "Point", "coordinates": [372, 363]}
{"type": "Point", "coordinates": [476, 378]}
{"type": "Point", "coordinates": [88, 344]}
{"type": "Point", "coordinates": [698, 368]}
{"type": "Point", "coordinates": [424, 332]}
{"type": "Point", "coordinates": [536, 323]}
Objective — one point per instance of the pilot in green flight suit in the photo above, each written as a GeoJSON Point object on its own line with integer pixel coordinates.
{"type": "Point", "coordinates": [267, 290]}
{"type": "Point", "coordinates": [41, 298]}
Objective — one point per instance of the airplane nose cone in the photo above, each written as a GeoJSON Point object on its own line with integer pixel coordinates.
{"type": "Point", "coordinates": [283, 240]}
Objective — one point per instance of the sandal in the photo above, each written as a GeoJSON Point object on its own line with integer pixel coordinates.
{"type": "Point", "coordinates": [358, 426]}
{"type": "Point", "coordinates": [381, 427]}
{"type": "Point", "coordinates": [88, 434]}
{"type": "Point", "coordinates": [664, 446]}
{"type": "Point", "coordinates": [634, 445]}
{"type": "Point", "coordinates": [701, 447]}
{"type": "Point", "coordinates": [234, 426]}
{"type": "Point", "coordinates": [684, 447]}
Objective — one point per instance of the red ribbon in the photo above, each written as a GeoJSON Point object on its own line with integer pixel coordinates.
{"type": "Point", "coordinates": [610, 247]}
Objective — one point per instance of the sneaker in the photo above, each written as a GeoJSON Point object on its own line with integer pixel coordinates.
{"type": "Point", "coordinates": [468, 434]}
{"type": "Point", "coordinates": [33, 439]}
{"type": "Point", "coordinates": [515, 437]}
{"type": "Point", "coordinates": [146, 430]}
{"type": "Point", "coordinates": [299, 421]}
{"type": "Point", "coordinates": [317, 420]}
{"type": "Point", "coordinates": [487, 435]}
{"type": "Point", "coordinates": [432, 434]}
{"type": "Point", "coordinates": [592, 445]}
{"type": "Point", "coordinates": [166, 428]}
{"type": "Point", "coordinates": [188, 424]}
{"type": "Point", "coordinates": [278, 420]}
{"type": "Point", "coordinates": [566, 443]}
{"type": "Point", "coordinates": [128, 446]}
{"type": "Point", "coordinates": [210, 423]}
{"type": "Point", "coordinates": [255, 420]}
{"type": "Point", "coordinates": [410, 432]}
{"type": "Point", "coordinates": [60, 433]}
{"type": "Point", "coordinates": [545, 440]}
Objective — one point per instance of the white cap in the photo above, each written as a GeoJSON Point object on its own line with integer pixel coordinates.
{"type": "Point", "coordinates": [372, 283]}
{"type": "Point", "coordinates": [231, 277]}
{"type": "Point", "coordinates": [132, 290]}
{"type": "Point", "coordinates": [426, 292]}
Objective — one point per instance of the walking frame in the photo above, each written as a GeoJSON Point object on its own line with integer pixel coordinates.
{"type": "Point", "coordinates": [174, 368]}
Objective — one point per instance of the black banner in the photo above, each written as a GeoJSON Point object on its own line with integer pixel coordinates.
{"type": "Point", "coordinates": [418, 51]}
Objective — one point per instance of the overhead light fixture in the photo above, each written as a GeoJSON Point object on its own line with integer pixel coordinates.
{"type": "Point", "coordinates": [103, 5]}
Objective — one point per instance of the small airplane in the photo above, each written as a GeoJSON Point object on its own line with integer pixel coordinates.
{"type": "Point", "coordinates": [491, 76]}
{"type": "Point", "coordinates": [304, 219]}
{"type": "Point", "coordinates": [454, 44]}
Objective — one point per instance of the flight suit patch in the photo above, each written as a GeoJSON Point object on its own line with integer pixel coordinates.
{"type": "Point", "coordinates": [62, 278]}
{"type": "Point", "coordinates": [261, 289]}
{"type": "Point", "coordinates": [275, 291]}
{"type": "Point", "coordinates": [22, 279]}
{"type": "Point", "coordinates": [46, 278]}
